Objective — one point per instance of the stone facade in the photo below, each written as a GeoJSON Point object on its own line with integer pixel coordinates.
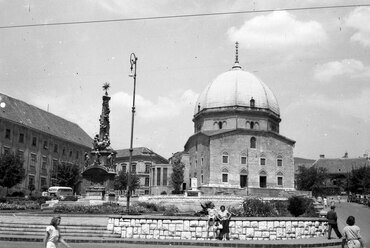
{"type": "Point", "coordinates": [192, 228]}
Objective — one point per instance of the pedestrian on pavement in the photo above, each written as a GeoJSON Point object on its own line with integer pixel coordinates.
{"type": "Point", "coordinates": [53, 236]}
{"type": "Point", "coordinates": [325, 202]}
{"type": "Point", "coordinates": [351, 235]}
{"type": "Point", "coordinates": [332, 221]}
{"type": "Point", "coordinates": [224, 216]}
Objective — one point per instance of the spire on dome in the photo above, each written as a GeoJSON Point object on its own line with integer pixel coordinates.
{"type": "Point", "coordinates": [236, 65]}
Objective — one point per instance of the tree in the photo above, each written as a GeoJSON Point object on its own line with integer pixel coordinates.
{"type": "Point", "coordinates": [177, 176]}
{"type": "Point", "coordinates": [120, 182]}
{"type": "Point", "coordinates": [359, 180]}
{"type": "Point", "coordinates": [68, 175]}
{"type": "Point", "coordinates": [311, 178]}
{"type": "Point", "coordinates": [11, 170]}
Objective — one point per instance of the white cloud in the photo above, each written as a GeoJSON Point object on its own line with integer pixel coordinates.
{"type": "Point", "coordinates": [359, 19]}
{"type": "Point", "coordinates": [165, 107]}
{"type": "Point", "coordinates": [276, 30]}
{"type": "Point", "coordinates": [347, 67]}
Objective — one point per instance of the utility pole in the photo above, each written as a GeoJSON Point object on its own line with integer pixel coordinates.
{"type": "Point", "coordinates": [133, 61]}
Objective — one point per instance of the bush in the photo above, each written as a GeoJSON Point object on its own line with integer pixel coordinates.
{"type": "Point", "coordinates": [17, 194]}
{"type": "Point", "coordinates": [68, 198]}
{"type": "Point", "coordinates": [80, 209]}
{"type": "Point", "coordinates": [254, 207]}
{"type": "Point", "coordinates": [171, 210]}
{"type": "Point", "coordinates": [163, 193]}
{"type": "Point", "coordinates": [296, 205]}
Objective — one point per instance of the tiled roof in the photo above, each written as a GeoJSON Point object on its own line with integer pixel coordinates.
{"type": "Point", "coordinates": [302, 162]}
{"type": "Point", "coordinates": [140, 151]}
{"type": "Point", "coordinates": [341, 165]}
{"type": "Point", "coordinates": [30, 116]}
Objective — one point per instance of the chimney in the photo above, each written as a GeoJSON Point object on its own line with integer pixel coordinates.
{"type": "Point", "coordinates": [345, 155]}
{"type": "Point", "coordinates": [322, 155]}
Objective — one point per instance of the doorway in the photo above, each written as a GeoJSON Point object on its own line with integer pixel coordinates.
{"type": "Point", "coordinates": [243, 181]}
{"type": "Point", "coordinates": [263, 181]}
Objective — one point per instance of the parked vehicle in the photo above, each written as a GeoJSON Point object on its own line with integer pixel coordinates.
{"type": "Point", "coordinates": [59, 191]}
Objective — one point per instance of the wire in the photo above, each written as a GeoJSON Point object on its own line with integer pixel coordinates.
{"type": "Point", "coordinates": [182, 16]}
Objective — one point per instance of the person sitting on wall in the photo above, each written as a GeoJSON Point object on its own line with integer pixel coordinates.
{"type": "Point", "coordinates": [212, 217]}
{"type": "Point", "coordinates": [224, 216]}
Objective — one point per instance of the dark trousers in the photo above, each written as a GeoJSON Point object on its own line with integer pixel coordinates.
{"type": "Point", "coordinates": [335, 227]}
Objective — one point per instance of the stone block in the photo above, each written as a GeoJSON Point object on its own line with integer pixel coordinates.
{"type": "Point", "coordinates": [186, 225]}
{"type": "Point", "coordinates": [258, 234]}
{"type": "Point", "coordinates": [165, 226]}
{"type": "Point", "coordinates": [156, 234]}
{"type": "Point", "coordinates": [283, 223]}
{"type": "Point", "coordinates": [295, 223]}
{"type": "Point", "coordinates": [193, 223]}
{"type": "Point", "coordinates": [166, 221]}
{"type": "Point", "coordinates": [254, 224]}
{"type": "Point", "coordinates": [262, 225]}
{"type": "Point", "coordinates": [276, 224]}
{"type": "Point", "coordinates": [180, 227]}
{"type": "Point", "coordinates": [242, 237]}
{"type": "Point", "coordinates": [270, 225]}
{"type": "Point", "coordinates": [250, 232]}
{"type": "Point", "coordinates": [203, 223]}
{"type": "Point", "coordinates": [123, 234]}
{"type": "Point", "coordinates": [238, 224]}
{"type": "Point", "coordinates": [265, 234]}
{"type": "Point", "coordinates": [232, 224]}
{"type": "Point", "coordinates": [165, 233]}
{"type": "Point", "coordinates": [117, 229]}
{"type": "Point", "coordinates": [185, 235]}
{"type": "Point", "coordinates": [135, 236]}
{"type": "Point", "coordinates": [142, 236]}
{"type": "Point", "coordinates": [116, 222]}
{"type": "Point", "coordinates": [273, 237]}
{"type": "Point", "coordinates": [110, 226]}
{"type": "Point", "coordinates": [145, 229]}
{"type": "Point", "coordinates": [177, 222]}
{"type": "Point", "coordinates": [246, 223]}
{"type": "Point", "coordinates": [153, 226]}
{"type": "Point", "coordinates": [129, 232]}
{"type": "Point", "coordinates": [172, 227]}
{"type": "Point", "coordinates": [142, 221]}
{"type": "Point", "coordinates": [301, 224]}
{"type": "Point", "coordinates": [132, 222]}
{"type": "Point", "coordinates": [150, 236]}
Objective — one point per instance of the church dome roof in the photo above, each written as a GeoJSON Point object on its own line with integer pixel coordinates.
{"type": "Point", "coordinates": [236, 88]}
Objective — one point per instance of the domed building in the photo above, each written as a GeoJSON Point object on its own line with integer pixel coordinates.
{"type": "Point", "coordinates": [236, 147]}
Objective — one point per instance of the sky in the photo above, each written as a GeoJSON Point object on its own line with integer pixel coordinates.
{"type": "Point", "coordinates": [316, 62]}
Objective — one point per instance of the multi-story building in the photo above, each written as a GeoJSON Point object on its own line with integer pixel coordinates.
{"type": "Point", "coordinates": [42, 140]}
{"type": "Point", "coordinates": [153, 170]}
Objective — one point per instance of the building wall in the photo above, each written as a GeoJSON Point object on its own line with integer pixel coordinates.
{"type": "Point", "coordinates": [237, 146]}
{"type": "Point", "coordinates": [44, 150]}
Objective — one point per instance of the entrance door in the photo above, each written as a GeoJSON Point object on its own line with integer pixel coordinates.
{"type": "Point", "coordinates": [263, 182]}
{"type": "Point", "coordinates": [243, 181]}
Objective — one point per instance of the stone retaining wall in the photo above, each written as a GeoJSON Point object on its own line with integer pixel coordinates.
{"type": "Point", "coordinates": [195, 228]}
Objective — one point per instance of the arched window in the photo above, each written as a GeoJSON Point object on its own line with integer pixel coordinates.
{"type": "Point", "coordinates": [256, 125]}
{"type": "Point", "coordinates": [243, 158]}
{"type": "Point", "coordinates": [225, 158]}
{"type": "Point", "coordinates": [253, 142]}
{"type": "Point", "coordinates": [247, 125]}
{"type": "Point", "coordinates": [279, 178]}
{"type": "Point", "coordinates": [225, 175]}
{"type": "Point", "coordinates": [220, 125]}
{"type": "Point", "coordinates": [252, 103]}
{"type": "Point", "coordinates": [279, 161]}
{"type": "Point", "coordinates": [263, 179]}
{"type": "Point", "coordinates": [243, 178]}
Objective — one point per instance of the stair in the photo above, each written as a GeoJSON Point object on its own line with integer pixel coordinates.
{"type": "Point", "coordinates": [37, 231]}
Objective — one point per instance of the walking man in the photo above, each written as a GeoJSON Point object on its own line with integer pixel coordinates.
{"type": "Point", "coordinates": [332, 221]}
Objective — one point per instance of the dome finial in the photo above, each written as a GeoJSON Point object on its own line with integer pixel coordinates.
{"type": "Point", "coordinates": [236, 65]}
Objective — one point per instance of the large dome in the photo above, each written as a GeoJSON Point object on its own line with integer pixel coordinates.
{"type": "Point", "coordinates": [236, 88]}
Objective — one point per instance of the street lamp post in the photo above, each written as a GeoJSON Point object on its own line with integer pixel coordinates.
{"type": "Point", "coordinates": [133, 62]}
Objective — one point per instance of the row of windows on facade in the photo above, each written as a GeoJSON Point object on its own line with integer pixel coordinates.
{"type": "Point", "coordinates": [244, 178]}
{"type": "Point", "coordinates": [156, 180]}
{"type": "Point", "coordinates": [33, 161]}
{"type": "Point", "coordinates": [243, 159]}
{"type": "Point", "coordinates": [248, 125]}
{"type": "Point", "coordinates": [21, 140]}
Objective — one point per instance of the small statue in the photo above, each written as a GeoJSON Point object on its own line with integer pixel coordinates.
{"type": "Point", "coordinates": [86, 159]}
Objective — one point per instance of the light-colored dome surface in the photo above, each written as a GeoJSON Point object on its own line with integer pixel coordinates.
{"type": "Point", "coordinates": [236, 88]}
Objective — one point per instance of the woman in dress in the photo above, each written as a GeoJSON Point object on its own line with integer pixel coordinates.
{"type": "Point", "coordinates": [351, 235]}
{"type": "Point", "coordinates": [52, 236]}
{"type": "Point", "coordinates": [224, 216]}
{"type": "Point", "coordinates": [212, 217]}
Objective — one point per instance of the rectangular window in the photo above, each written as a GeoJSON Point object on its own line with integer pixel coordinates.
{"type": "Point", "coordinates": [34, 141]}
{"type": "Point", "coordinates": [201, 162]}
{"type": "Point", "coordinates": [21, 138]}
{"type": "Point", "coordinates": [158, 176]}
{"type": "Point", "coordinates": [55, 147]}
{"type": "Point", "coordinates": [7, 133]}
{"type": "Point", "coordinates": [201, 178]}
{"type": "Point", "coordinates": [44, 164]}
{"type": "Point", "coordinates": [279, 162]}
{"type": "Point", "coordinates": [133, 168]}
{"type": "Point", "coordinates": [280, 181]}
{"type": "Point", "coordinates": [225, 178]}
{"type": "Point", "coordinates": [147, 168]}
{"type": "Point", "coordinates": [153, 177]}
{"type": "Point", "coordinates": [33, 162]}
{"type": "Point", "coordinates": [124, 168]}
{"type": "Point", "coordinates": [45, 146]}
{"type": "Point", "coordinates": [164, 176]}
{"type": "Point", "coordinates": [43, 182]}
{"type": "Point", "coordinates": [243, 160]}
{"type": "Point", "coordinates": [70, 154]}
{"type": "Point", "coordinates": [31, 180]}
{"type": "Point", "coordinates": [147, 181]}
{"type": "Point", "coordinates": [225, 159]}
{"type": "Point", "coordinates": [263, 161]}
